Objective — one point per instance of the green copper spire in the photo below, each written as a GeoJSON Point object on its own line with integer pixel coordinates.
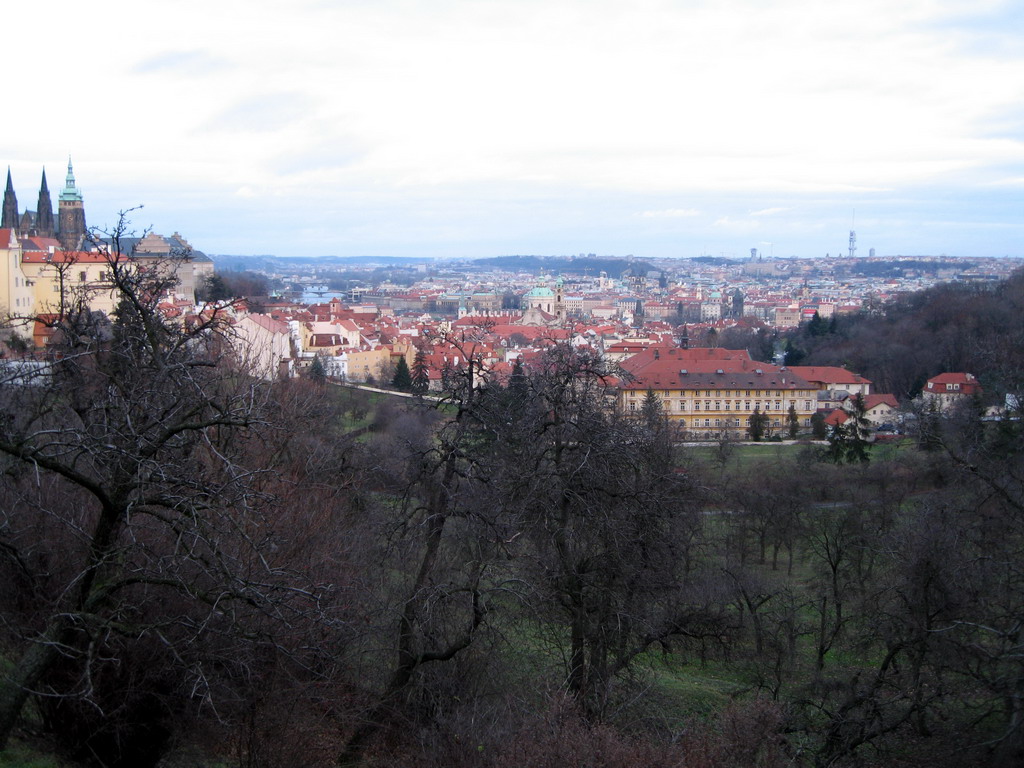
{"type": "Point", "coordinates": [70, 192]}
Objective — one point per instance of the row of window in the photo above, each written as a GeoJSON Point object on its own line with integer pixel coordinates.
{"type": "Point", "coordinates": [731, 405]}
{"type": "Point", "coordinates": [746, 405]}
{"type": "Point", "coordinates": [779, 405]}
{"type": "Point", "coordinates": [707, 423]}
{"type": "Point", "coordinates": [726, 393]}
{"type": "Point", "coordinates": [83, 277]}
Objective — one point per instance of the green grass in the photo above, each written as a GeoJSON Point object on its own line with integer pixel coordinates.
{"type": "Point", "coordinates": [694, 689]}
{"type": "Point", "coordinates": [19, 755]}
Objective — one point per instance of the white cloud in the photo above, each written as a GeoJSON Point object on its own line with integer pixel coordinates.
{"type": "Point", "coordinates": [575, 99]}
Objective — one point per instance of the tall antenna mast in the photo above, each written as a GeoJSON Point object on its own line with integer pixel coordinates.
{"type": "Point", "coordinates": [853, 235]}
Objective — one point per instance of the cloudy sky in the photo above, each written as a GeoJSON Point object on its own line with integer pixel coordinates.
{"type": "Point", "coordinates": [487, 127]}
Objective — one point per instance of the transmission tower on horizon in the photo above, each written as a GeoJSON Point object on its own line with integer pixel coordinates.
{"type": "Point", "coordinates": [853, 236]}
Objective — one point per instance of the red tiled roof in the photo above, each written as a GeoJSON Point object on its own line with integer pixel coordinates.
{"type": "Point", "coordinates": [953, 378]}
{"type": "Point", "coordinates": [873, 401]}
{"type": "Point", "coordinates": [326, 340]}
{"type": "Point", "coordinates": [40, 244]}
{"type": "Point", "coordinates": [675, 358]}
{"type": "Point", "coordinates": [837, 417]}
{"type": "Point", "coordinates": [64, 257]}
{"type": "Point", "coordinates": [702, 368]}
{"type": "Point", "coordinates": [828, 374]}
{"type": "Point", "coordinates": [965, 383]}
{"type": "Point", "coordinates": [268, 323]}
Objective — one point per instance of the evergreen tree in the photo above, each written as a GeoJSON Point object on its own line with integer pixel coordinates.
{"type": "Point", "coordinates": [792, 422]}
{"type": "Point", "coordinates": [929, 428]}
{"type": "Point", "coordinates": [518, 386]}
{"type": "Point", "coordinates": [848, 443]}
{"type": "Point", "coordinates": [213, 288]}
{"type": "Point", "coordinates": [420, 374]}
{"type": "Point", "coordinates": [816, 326]}
{"type": "Point", "coordinates": [402, 380]}
{"type": "Point", "coordinates": [819, 431]}
{"type": "Point", "coordinates": [758, 425]}
{"type": "Point", "coordinates": [651, 409]}
{"type": "Point", "coordinates": [317, 372]}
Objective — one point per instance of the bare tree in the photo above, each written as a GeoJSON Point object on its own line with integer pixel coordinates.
{"type": "Point", "coordinates": [139, 429]}
{"type": "Point", "coordinates": [606, 521]}
{"type": "Point", "coordinates": [438, 541]}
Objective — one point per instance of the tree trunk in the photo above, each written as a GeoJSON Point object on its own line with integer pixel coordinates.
{"type": "Point", "coordinates": [409, 657]}
{"type": "Point", "coordinates": [17, 686]}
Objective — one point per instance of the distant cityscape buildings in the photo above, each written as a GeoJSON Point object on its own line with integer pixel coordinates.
{"type": "Point", "coordinates": [666, 322]}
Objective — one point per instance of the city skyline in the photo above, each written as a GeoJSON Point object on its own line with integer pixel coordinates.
{"type": "Point", "coordinates": [490, 128]}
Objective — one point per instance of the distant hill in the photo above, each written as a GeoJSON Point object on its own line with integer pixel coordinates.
{"type": "Point", "coordinates": [901, 267]}
{"type": "Point", "coordinates": [719, 261]}
{"type": "Point", "coordinates": [270, 263]}
{"type": "Point", "coordinates": [565, 265]}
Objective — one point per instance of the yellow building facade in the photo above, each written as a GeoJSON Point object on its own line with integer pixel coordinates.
{"type": "Point", "coordinates": [70, 275]}
{"type": "Point", "coordinates": [16, 300]}
{"type": "Point", "coordinates": [712, 393]}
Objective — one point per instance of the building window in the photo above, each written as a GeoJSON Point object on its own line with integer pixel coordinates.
{"type": "Point", "coordinates": [718, 422]}
{"type": "Point", "coordinates": [632, 406]}
{"type": "Point", "coordinates": [682, 405]}
{"type": "Point", "coordinates": [718, 405]}
{"type": "Point", "coordinates": [707, 404]}
{"type": "Point", "coordinates": [746, 405]}
{"type": "Point", "coordinates": [728, 405]}
{"type": "Point", "coordinates": [82, 276]}
{"type": "Point", "coordinates": [707, 422]}
{"type": "Point", "coordinates": [696, 405]}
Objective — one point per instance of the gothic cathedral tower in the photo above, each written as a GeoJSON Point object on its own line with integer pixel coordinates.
{"type": "Point", "coordinates": [10, 214]}
{"type": "Point", "coordinates": [71, 214]}
{"type": "Point", "coordinates": [44, 211]}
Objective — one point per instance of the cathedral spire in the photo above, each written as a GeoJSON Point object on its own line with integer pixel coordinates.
{"type": "Point", "coordinates": [70, 192]}
{"type": "Point", "coordinates": [44, 211]}
{"type": "Point", "coordinates": [10, 212]}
